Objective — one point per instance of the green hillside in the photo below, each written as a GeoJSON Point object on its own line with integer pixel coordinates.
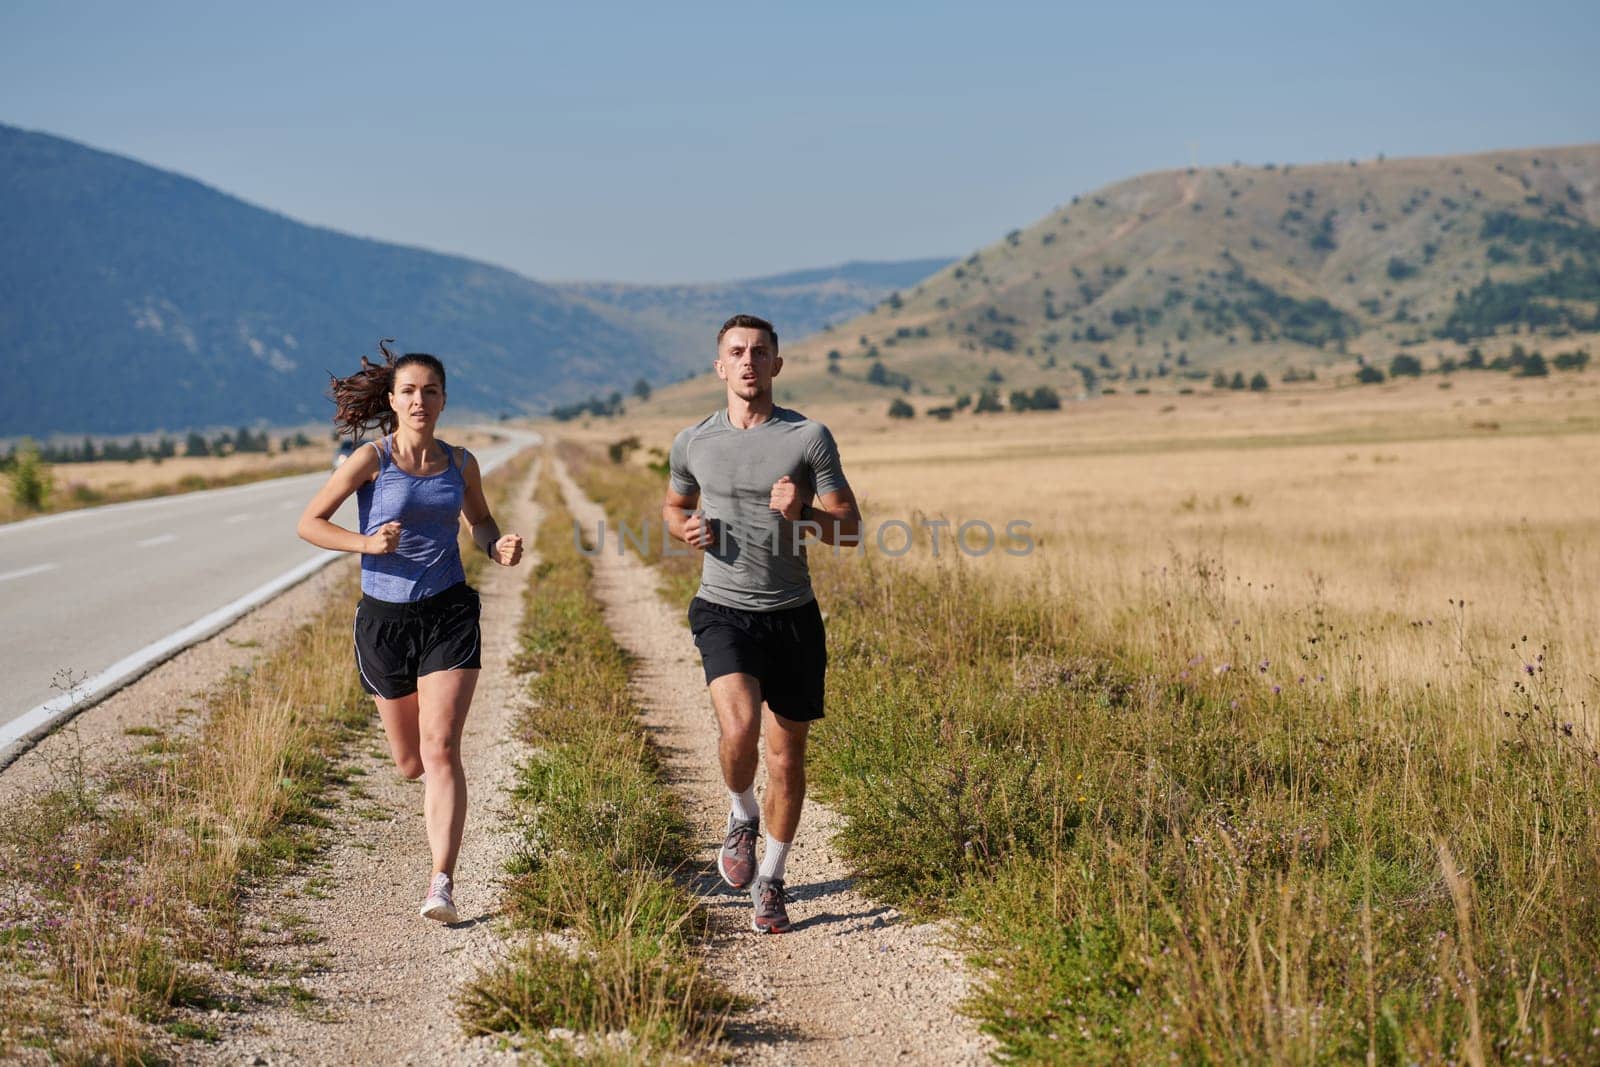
{"type": "Point", "coordinates": [1167, 278]}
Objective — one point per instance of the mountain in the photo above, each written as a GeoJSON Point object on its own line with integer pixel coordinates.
{"type": "Point", "coordinates": [686, 317]}
{"type": "Point", "coordinates": [137, 299]}
{"type": "Point", "coordinates": [1178, 274]}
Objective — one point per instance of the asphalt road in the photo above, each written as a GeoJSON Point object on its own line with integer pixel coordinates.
{"type": "Point", "coordinates": [85, 596]}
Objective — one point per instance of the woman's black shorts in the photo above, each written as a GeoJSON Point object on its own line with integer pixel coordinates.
{"type": "Point", "coordinates": [397, 643]}
{"type": "Point", "coordinates": [786, 651]}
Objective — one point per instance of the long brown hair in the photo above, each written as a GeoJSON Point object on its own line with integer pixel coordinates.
{"type": "Point", "coordinates": [361, 401]}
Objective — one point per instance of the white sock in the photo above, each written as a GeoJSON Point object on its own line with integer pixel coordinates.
{"type": "Point", "coordinates": [774, 858]}
{"type": "Point", "coordinates": [745, 807]}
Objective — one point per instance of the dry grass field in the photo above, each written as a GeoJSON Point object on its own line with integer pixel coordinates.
{"type": "Point", "coordinates": [1441, 525]}
{"type": "Point", "coordinates": [79, 485]}
{"type": "Point", "coordinates": [1438, 526]}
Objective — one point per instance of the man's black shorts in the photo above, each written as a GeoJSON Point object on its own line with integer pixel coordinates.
{"type": "Point", "coordinates": [395, 643]}
{"type": "Point", "coordinates": [786, 651]}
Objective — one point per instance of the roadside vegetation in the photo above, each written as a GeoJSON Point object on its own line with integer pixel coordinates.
{"type": "Point", "coordinates": [1179, 817]}
{"type": "Point", "coordinates": [40, 481]}
{"type": "Point", "coordinates": [606, 961]}
{"type": "Point", "coordinates": [120, 882]}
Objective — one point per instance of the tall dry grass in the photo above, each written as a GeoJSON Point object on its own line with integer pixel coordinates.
{"type": "Point", "coordinates": [121, 881]}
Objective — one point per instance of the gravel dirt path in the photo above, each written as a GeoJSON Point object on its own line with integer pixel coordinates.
{"type": "Point", "coordinates": [854, 982]}
{"type": "Point", "coordinates": [346, 930]}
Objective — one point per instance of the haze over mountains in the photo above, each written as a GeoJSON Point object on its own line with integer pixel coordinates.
{"type": "Point", "coordinates": [1171, 276]}
{"type": "Point", "coordinates": [136, 299]}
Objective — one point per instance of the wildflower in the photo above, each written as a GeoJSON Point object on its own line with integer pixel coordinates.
{"type": "Point", "coordinates": [1302, 679]}
{"type": "Point", "coordinates": [1528, 667]}
{"type": "Point", "coordinates": [1222, 668]}
{"type": "Point", "coordinates": [1234, 703]}
{"type": "Point", "coordinates": [1277, 689]}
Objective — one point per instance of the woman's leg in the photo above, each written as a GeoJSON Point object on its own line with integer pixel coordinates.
{"type": "Point", "coordinates": [443, 700]}
{"type": "Point", "coordinates": [400, 727]}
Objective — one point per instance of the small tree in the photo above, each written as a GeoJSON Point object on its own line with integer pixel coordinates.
{"type": "Point", "coordinates": [1369, 375]}
{"type": "Point", "coordinates": [1219, 380]}
{"type": "Point", "coordinates": [899, 409]}
{"type": "Point", "coordinates": [1237, 381]}
{"type": "Point", "coordinates": [196, 444]}
{"type": "Point", "coordinates": [641, 389]}
{"type": "Point", "coordinates": [1045, 399]}
{"type": "Point", "coordinates": [1258, 383]}
{"type": "Point", "coordinates": [1020, 400]}
{"type": "Point", "coordinates": [1404, 365]}
{"type": "Point", "coordinates": [1533, 367]}
{"type": "Point", "coordinates": [30, 477]}
{"type": "Point", "coordinates": [988, 400]}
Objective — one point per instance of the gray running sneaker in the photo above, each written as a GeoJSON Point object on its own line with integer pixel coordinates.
{"type": "Point", "coordinates": [440, 905]}
{"type": "Point", "coordinates": [737, 860]}
{"type": "Point", "coordinates": [769, 898]}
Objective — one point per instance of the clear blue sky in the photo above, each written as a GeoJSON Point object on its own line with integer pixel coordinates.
{"type": "Point", "coordinates": [684, 142]}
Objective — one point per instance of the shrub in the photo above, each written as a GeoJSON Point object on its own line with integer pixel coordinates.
{"type": "Point", "coordinates": [1405, 366]}
{"type": "Point", "coordinates": [1258, 383]}
{"type": "Point", "coordinates": [30, 478]}
{"type": "Point", "coordinates": [1369, 375]}
{"type": "Point", "coordinates": [899, 409]}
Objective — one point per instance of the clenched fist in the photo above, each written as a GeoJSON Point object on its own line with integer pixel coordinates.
{"type": "Point", "coordinates": [786, 499]}
{"type": "Point", "coordinates": [382, 541]}
{"type": "Point", "coordinates": [697, 530]}
{"type": "Point", "coordinates": [507, 551]}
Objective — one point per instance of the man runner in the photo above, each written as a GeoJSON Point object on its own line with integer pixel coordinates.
{"type": "Point", "coordinates": [743, 481]}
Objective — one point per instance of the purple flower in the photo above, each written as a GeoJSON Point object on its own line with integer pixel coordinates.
{"type": "Point", "coordinates": [1277, 689]}
{"type": "Point", "coordinates": [1528, 667]}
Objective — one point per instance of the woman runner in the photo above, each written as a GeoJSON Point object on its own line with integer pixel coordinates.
{"type": "Point", "coordinates": [416, 627]}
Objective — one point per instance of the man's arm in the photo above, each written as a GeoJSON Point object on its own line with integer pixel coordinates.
{"type": "Point", "coordinates": [684, 521]}
{"type": "Point", "coordinates": [837, 515]}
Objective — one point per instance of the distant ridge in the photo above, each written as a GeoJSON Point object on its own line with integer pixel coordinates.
{"type": "Point", "coordinates": [135, 299]}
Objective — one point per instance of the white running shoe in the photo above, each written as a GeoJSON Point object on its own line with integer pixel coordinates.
{"type": "Point", "coordinates": [439, 906]}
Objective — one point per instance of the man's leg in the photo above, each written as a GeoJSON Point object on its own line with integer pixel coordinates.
{"type": "Point", "coordinates": [736, 698]}
{"type": "Point", "coordinates": [786, 794]}
{"type": "Point", "coordinates": [786, 775]}
{"type": "Point", "coordinates": [737, 701]}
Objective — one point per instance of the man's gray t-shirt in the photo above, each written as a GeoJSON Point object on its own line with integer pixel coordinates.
{"type": "Point", "coordinates": [757, 561]}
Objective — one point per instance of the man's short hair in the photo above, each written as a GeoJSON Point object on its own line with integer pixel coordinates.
{"type": "Point", "coordinates": [748, 322]}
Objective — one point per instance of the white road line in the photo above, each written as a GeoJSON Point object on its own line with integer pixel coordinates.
{"type": "Point", "coordinates": [128, 668]}
{"type": "Point", "coordinates": [24, 572]}
{"type": "Point", "coordinates": [241, 517]}
{"type": "Point", "coordinates": [159, 539]}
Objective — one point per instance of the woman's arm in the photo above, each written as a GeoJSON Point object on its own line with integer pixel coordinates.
{"type": "Point", "coordinates": [314, 525]}
{"type": "Point", "coordinates": [504, 549]}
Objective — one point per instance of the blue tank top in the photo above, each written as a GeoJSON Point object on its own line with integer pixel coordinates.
{"type": "Point", "coordinates": [427, 560]}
